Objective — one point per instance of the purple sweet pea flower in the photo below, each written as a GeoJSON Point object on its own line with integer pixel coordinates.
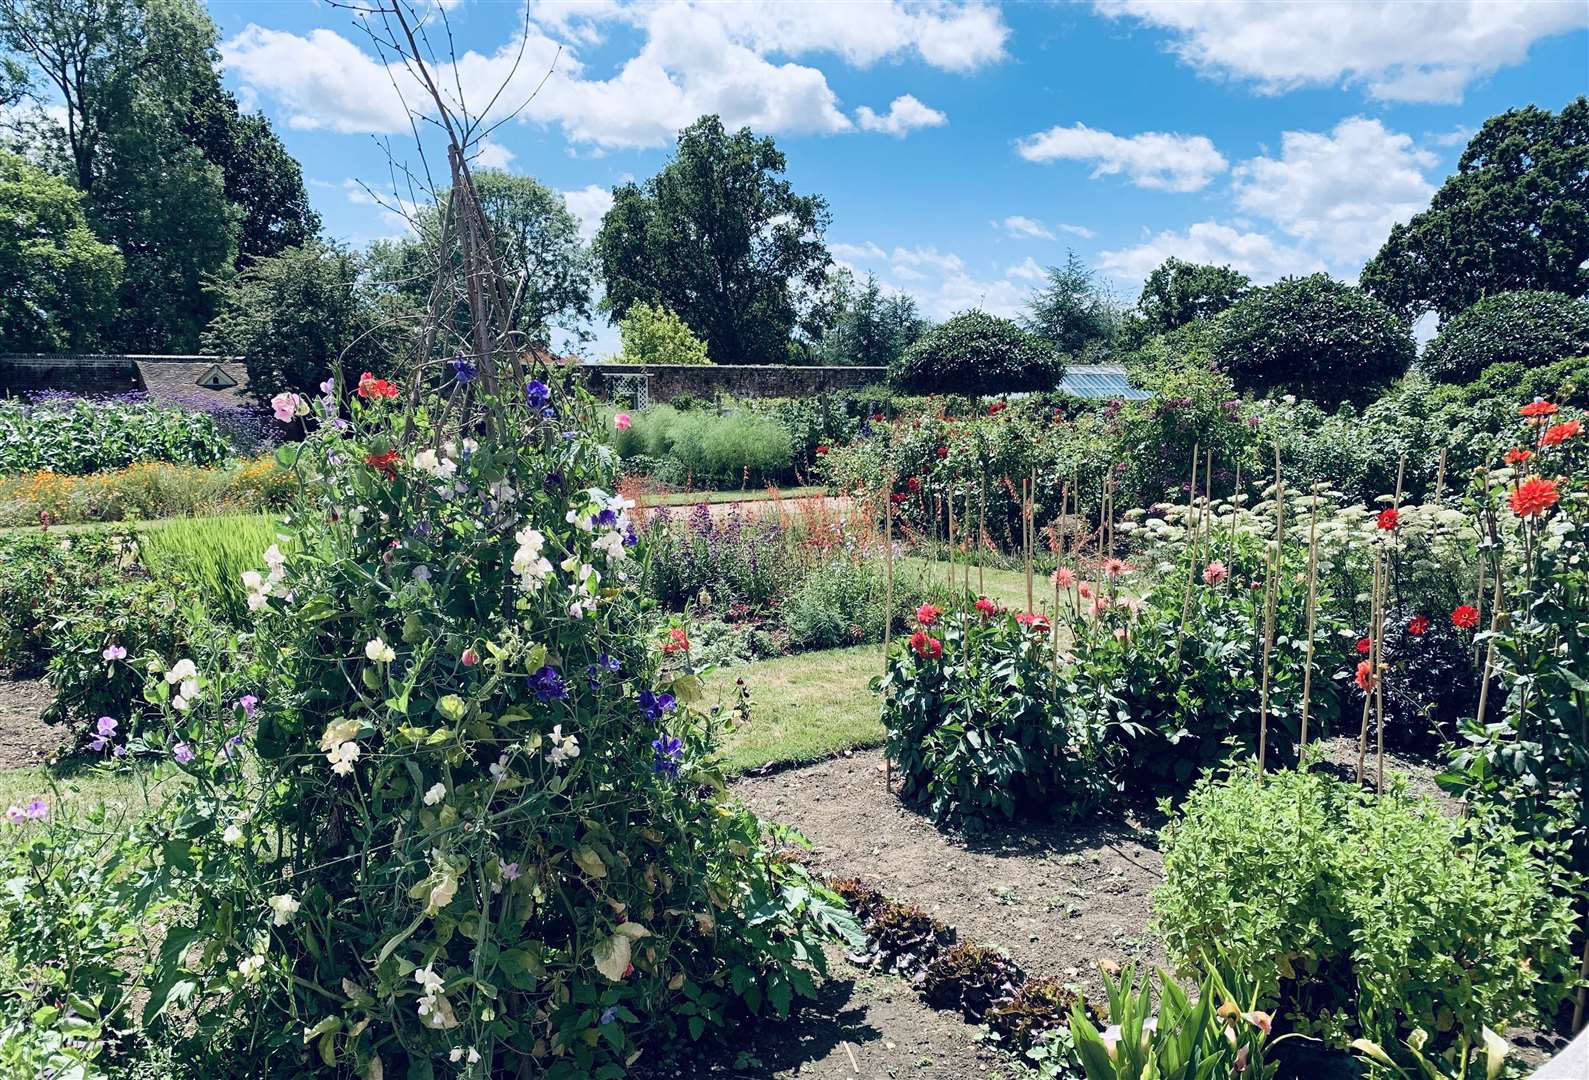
{"type": "Point", "coordinates": [104, 731]}
{"type": "Point", "coordinates": [669, 753]}
{"type": "Point", "coordinates": [464, 369]}
{"type": "Point", "coordinates": [655, 706]}
{"type": "Point", "coordinates": [548, 684]}
{"type": "Point", "coordinates": [537, 393]}
{"type": "Point", "coordinates": [182, 752]}
{"type": "Point", "coordinates": [247, 703]}
{"type": "Point", "coordinates": [115, 652]}
{"type": "Point", "coordinates": [37, 810]}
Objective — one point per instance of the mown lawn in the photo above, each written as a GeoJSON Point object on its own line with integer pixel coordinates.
{"type": "Point", "coordinates": [803, 707]}
{"type": "Point", "coordinates": [692, 498]}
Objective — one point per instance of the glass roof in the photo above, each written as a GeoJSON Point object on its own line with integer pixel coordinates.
{"type": "Point", "coordinates": [1100, 381]}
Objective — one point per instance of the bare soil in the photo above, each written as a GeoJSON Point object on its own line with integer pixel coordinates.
{"type": "Point", "coordinates": [24, 738]}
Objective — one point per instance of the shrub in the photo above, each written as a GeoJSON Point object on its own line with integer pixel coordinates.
{"type": "Point", "coordinates": [40, 573]}
{"type": "Point", "coordinates": [977, 353]}
{"type": "Point", "coordinates": [655, 335]}
{"type": "Point", "coordinates": [971, 728]}
{"type": "Point", "coordinates": [1313, 337]}
{"type": "Point", "coordinates": [78, 436]}
{"type": "Point", "coordinates": [472, 764]}
{"type": "Point", "coordinates": [841, 601]}
{"type": "Point", "coordinates": [727, 558]}
{"type": "Point", "coordinates": [735, 449]}
{"type": "Point", "coordinates": [1377, 914]}
{"type": "Point", "coordinates": [1528, 328]}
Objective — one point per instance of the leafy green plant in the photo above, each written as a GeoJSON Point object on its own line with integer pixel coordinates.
{"type": "Point", "coordinates": [1453, 1064]}
{"type": "Point", "coordinates": [78, 436]}
{"type": "Point", "coordinates": [1376, 915]}
{"type": "Point", "coordinates": [1528, 328]}
{"type": "Point", "coordinates": [970, 979]}
{"type": "Point", "coordinates": [211, 556]}
{"type": "Point", "coordinates": [476, 797]}
{"type": "Point", "coordinates": [652, 334]}
{"type": "Point", "coordinates": [40, 573]}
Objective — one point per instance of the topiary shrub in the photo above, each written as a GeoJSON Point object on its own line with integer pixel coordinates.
{"type": "Point", "coordinates": [1376, 914]}
{"type": "Point", "coordinates": [1313, 337]}
{"type": "Point", "coordinates": [977, 353]}
{"type": "Point", "coordinates": [1529, 327]}
{"type": "Point", "coordinates": [461, 817]}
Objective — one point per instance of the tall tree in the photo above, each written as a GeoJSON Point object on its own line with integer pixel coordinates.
{"type": "Point", "coordinates": [1180, 292]}
{"type": "Point", "coordinates": [1515, 215]}
{"type": "Point", "coordinates": [262, 179]}
{"type": "Point", "coordinates": [538, 240]}
{"type": "Point", "coordinates": [1074, 313]}
{"type": "Point", "coordinates": [295, 316]}
{"type": "Point", "coordinates": [57, 281]}
{"type": "Point", "coordinates": [719, 237]}
{"type": "Point", "coordinates": [870, 328]}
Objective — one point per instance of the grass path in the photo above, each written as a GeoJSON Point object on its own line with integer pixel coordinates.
{"type": "Point", "coordinates": [803, 707]}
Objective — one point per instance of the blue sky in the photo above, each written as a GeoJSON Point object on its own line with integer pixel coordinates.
{"type": "Point", "coordinates": [962, 147]}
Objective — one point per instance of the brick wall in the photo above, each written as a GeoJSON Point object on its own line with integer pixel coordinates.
{"type": "Point", "coordinates": [668, 381]}
{"type": "Point", "coordinates": [97, 374]}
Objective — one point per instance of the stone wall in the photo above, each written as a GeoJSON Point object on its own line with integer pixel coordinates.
{"type": "Point", "coordinates": [667, 381]}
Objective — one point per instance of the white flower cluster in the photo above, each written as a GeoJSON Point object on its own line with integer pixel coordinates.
{"type": "Point", "coordinates": [564, 748]}
{"type": "Point", "coordinates": [185, 677]}
{"type": "Point", "coordinates": [262, 587]}
{"type": "Point", "coordinates": [338, 746]}
{"type": "Point", "coordinates": [528, 563]}
{"type": "Point", "coordinates": [435, 1011]}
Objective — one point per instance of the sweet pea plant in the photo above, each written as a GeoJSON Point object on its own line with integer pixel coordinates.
{"type": "Point", "coordinates": [465, 821]}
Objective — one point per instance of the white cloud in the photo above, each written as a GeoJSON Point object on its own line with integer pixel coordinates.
{"type": "Point", "coordinates": [1398, 50]}
{"type": "Point", "coordinates": [959, 36]}
{"type": "Point", "coordinates": [1025, 228]}
{"type": "Point", "coordinates": [940, 280]}
{"type": "Point", "coordinates": [492, 155]}
{"type": "Point", "coordinates": [694, 59]}
{"type": "Point", "coordinates": [589, 204]}
{"type": "Point", "coordinates": [394, 211]}
{"type": "Point", "coordinates": [1339, 192]}
{"type": "Point", "coordinates": [904, 114]}
{"type": "Point", "coordinates": [1154, 159]}
{"type": "Point", "coordinates": [1257, 255]}
{"type": "Point", "coordinates": [1027, 270]}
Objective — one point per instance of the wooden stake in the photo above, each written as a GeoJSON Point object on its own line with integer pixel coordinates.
{"type": "Point", "coordinates": [982, 536]}
{"type": "Point", "coordinates": [888, 608]}
{"type": "Point", "coordinates": [1027, 516]}
{"type": "Point", "coordinates": [949, 502]}
{"type": "Point", "coordinates": [1191, 574]}
{"type": "Point", "coordinates": [1271, 597]}
{"type": "Point", "coordinates": [1368, 694]}
{"type": "Point", "coordinates": [1440, 479]}
{"type": "Point", "coordinates": [1313, 581]}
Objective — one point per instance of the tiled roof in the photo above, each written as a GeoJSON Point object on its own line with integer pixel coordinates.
{"type": "Point", "coordinates": [195, 377]}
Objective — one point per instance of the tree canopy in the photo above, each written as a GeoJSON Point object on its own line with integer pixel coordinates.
{"type": "Point", "coordinates": [1074, 313]}
{"type": "Point", "coordinates": [868, 327]}
{"type": "Point", "coordinates": [654, 335]}
{"type": "Point", "coordinates": [977, 353]}
{"type": "Point", "coordinates": [1515, 215]}
{"type": "Point", "coordinates": [1314, 337]}
{"type": "Point", "coordinates": [1180, 292]}
{"type": "Point", "coordinates": [57, 281]}
{"type": "Point", "coordinates": [719, 237]}
{"type": "Point", "coordinates": [1531, 328]}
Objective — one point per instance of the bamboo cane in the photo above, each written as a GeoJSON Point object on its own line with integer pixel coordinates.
{"type": "Point", "coordinates": [1368, 692]}
{"type": "Point", "coordinates": [1027, 515]}
{"type": "Point", "coordinates": [965, 563]}
{"type": "Point", "coordinates": [949, 562]}
{"type": "Point", "coordinates": [1440, 479]}
{"type": "Point", "coordinates": [982, 535]}
{"type": "Point", "coordinates": [888, 609]}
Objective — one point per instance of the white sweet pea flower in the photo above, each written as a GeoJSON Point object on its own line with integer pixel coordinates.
{"type": "Point", "coordinates": [283, 907]}
{"type": "Point", "coordinates": [436, 793]}
{"type": "Point", "coordinates": [342, 758]}
{"type": "Point", "coordinates": [564, 748]}
{"type": "Point", "coordinates": [379, 651]}
{"type": "Point", "coordinates": [232, 835]}
{"type": "Point", "coordinates": [182, 669]}
{"type": "Point", "coordinates": [611, 545]}
{"type": "Point", "coordinates": [249, 967]}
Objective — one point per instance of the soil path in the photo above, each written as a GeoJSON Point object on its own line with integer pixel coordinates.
{"type": "Point", "coordinates": [24, 738]}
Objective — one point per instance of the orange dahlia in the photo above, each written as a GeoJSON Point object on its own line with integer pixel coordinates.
{"type": "Point", "coordinates": [1559, 434]}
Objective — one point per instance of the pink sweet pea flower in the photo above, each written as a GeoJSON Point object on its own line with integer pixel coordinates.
{"type": "Point", "coordinates": [622, 421]}
{"type": "Point", "coordinates": [284, 406]}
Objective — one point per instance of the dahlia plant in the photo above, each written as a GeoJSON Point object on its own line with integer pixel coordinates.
{"type": "Point", "coordinates": [462, 818]}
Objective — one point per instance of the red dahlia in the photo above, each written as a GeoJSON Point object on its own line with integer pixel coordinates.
{"type": "Point", "coordinates": [1389, 518]}
{"type": "Point", "coordinates": [1465, 617]}
{"type": "Point", "coordinates": [1559, 434]}
{"type": "Point", "coordinates": [1418, 625]}
{"type": "Point", "coordinates": [1534, 496]}
{"type": "Point", "coordinates": [1364, 646]}
{"type": "Point", "coordinates": [1517, 456]}
{"type": "Point", "coordinates": [1536, 409]}
{"type": "Point", "coordinates": [925, 645]}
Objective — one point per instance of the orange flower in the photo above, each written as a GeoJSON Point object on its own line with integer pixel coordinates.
{"type": "Point", "coordinates": [1365, 676]}
{"type": "Point", "coordinates": [1465, 617]}
{"type": "Point", "coordinates": [1561, 433]}
{"type": "Point", "coordinates": [1536, 409]}
{"type": "Point", "coordinates": [1534, 496]}
{"type": "Point", "coordinates": [1517, 456]}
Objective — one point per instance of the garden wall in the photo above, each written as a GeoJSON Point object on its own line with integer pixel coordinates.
{"type": "Point", "coordinates": [664, 382]}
